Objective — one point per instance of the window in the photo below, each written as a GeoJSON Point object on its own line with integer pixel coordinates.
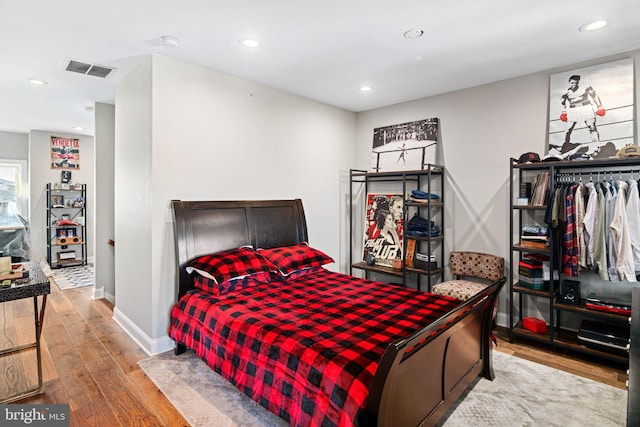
{"type": "Point", "coordinates": [13, 185]}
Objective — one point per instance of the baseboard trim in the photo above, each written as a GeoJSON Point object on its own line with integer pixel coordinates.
{"type": "Point", "coordinates": [97, 293]}
{"type": "Point", "coordinates": [109, 297]}
{"type": "Point", "coordinates": [147, 344]}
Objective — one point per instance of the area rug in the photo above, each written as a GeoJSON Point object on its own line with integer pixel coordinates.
{"type": "Point", "coordinates": [523, 394]}
{"type": "Point", "coordinates": [74, 277]}
{"type": "Point", "coordinates": [203, 397]}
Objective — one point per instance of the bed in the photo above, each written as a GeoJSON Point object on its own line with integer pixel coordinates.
{"type": "Point", "coordinates": [318, 347]}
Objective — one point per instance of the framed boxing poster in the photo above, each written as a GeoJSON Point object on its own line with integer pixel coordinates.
{"type": "Point", "coordinates": [405, 146]}
{"type": "Point", "coordinates": [65, 153]}
{"type": "Point", "coordinates": [591, 111]}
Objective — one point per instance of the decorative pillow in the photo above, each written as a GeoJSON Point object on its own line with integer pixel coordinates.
{"type": "Point", "coordinates": [226, 265]}
{"type": "Point", "coordinates": [293, 258]}
{"type": "Point", "coordinates": [207, 284]}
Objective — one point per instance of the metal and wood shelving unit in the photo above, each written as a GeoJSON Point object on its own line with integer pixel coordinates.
{"type": "Point", "coordinates": [430, 179]}
{"type": "Point", "coordinates": [557, 334]}
{"type": "Point", "coordinates": [66, 240]}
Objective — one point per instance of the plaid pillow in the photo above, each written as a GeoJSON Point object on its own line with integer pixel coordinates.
{"type": "Point", "coordinates": [230, 264]}
{"type": "Point", "coordinates": [207, 284]}
{"type": "Point", "coordinates": [292, 258]}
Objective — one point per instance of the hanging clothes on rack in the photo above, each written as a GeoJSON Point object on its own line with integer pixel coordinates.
{"type": "Point", "coordinates": [580, 212]}
{"type": "Point", "coordinates": [620, 235]}
{"type": "Point", "coordinates": [600, 242]}
{"type": "Point", "coordinates": [610, 194]}
{"type": "Point", "coordinates": [570, 259]}
{"type": "Point", "coordinates": [633, 221]}
{"type": "Point", "coordinates": [598, 225]}
{"type": "Point", "coordinates": [590, 222]}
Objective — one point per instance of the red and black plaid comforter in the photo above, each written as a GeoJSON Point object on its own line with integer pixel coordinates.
{"type": "Point", "coordinates": [306, 349]}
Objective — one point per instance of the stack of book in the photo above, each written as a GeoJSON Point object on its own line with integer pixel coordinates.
{"type": "Point", "coordinates": [525, 193]}
{"type": "Point", "coordinates": [531, 274]}
{"type": "Point", "coordinates": [546, 267]}
{"type": "Point", "coordinates": [535, 236]}
{"type": "Point", "coordinates": [539, 191]}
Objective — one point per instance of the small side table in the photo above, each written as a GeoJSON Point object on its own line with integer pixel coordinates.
{"type": "Point", "coordinates": [35, 285]}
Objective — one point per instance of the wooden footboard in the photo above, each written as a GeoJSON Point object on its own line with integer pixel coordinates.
{"type": "Point", "coordinates": [420, 377]}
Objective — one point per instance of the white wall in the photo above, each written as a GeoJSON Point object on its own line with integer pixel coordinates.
{"type": "Point", "coordinates": [14, 146]}
{"type": "Point", "coordinates": [480, 129]}
{"type": "Point", "coordinates": [40, 173]}
{"type": "Point", "coordinates": [104, 185]}
{"type": "Point", "coordinates": [133, 192]}
{"type": "Point", "coordinates": [209, 139]}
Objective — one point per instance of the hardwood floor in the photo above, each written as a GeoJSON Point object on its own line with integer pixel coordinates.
{"type": "Point", "coordinates": [88, 363]}
{"type": "Point", "coordinates": [91, 364]}
{"type": "Point", "coordinates": [594, 368]}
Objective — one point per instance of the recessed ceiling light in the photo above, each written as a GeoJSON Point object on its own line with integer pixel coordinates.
{"type": "Point", "coordinates": [365, 88]}
{"type": "Point", "coordinates": [592, 26]}
{"type": "Point", "coordinates": [89, 109]}
{"type": "Point", "coordinates": [37, 82]}
{"type": "Point", "coordinates": [249, 43]}
{"type": "Point", "coordinates": [169, 41]}
{"type": "Point", "coordinates": [78, 128]}
{"type": "Point", "coordinates": [413, 34]}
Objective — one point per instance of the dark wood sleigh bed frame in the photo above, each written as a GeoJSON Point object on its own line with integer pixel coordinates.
{"type": "Point", "coordinates": [418, 378]}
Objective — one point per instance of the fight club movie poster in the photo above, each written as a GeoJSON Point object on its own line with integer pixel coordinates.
{"type": "Point", "coordinates": [384, 228]}
{"type": "Point", "coordinates": [404, 147]}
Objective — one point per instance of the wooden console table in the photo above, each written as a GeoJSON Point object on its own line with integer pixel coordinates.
{"type": "Point", "coordinates": [37, 284]}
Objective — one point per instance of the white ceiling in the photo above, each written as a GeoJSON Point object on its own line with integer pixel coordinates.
{"type": "Point", "coordinates": [323, 50]}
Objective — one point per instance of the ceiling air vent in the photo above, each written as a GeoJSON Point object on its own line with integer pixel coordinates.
{"type": "Point", "coordinates": [89, 69]}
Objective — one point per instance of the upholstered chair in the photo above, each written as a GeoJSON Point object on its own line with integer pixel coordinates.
{"type": "Point", "coordinates": [473, 272]}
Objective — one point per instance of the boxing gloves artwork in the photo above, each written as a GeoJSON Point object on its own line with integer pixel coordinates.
{"type": "Point", "coordinates": [563, 116]}
{"type": "Point", "coordinates": [600, 111]}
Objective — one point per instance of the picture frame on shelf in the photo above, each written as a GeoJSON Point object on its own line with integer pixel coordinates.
{"type": "Point", "coordinates": [57, 200]}
{"type": "Point", "coordinates": [65, 177]}
{"type": "Point", "coordinates": [77, 202]}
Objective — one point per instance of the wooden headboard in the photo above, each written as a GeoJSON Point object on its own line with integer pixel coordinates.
{"type": "Point", "coordinates": [203, 227]}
